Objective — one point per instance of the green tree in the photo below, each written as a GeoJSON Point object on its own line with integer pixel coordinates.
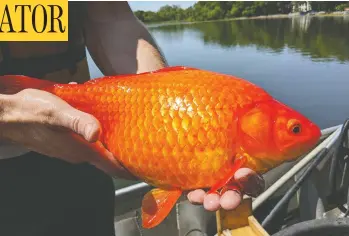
{"type": "Point", "coordinates": [214, 10]}
{"type": "Point", "coordinates": [341, 7]}
{"type": "Point", "coordinates": [325, 6]}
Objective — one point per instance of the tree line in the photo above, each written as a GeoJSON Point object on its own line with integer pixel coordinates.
{"type": "Point", "coordinates": [215, 10]}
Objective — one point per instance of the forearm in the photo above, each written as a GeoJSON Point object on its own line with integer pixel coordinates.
{"type": "Point", "coordinates": [149, 55]}
{"type": "Point", "coordinates": [118, 42]}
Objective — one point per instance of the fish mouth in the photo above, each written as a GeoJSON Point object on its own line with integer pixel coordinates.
{"type": "Point", "coordinates": [316, 132]}
{"type": "Point", "coordinates": [315, 135]}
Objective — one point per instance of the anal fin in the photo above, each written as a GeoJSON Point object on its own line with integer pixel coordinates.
{"type": "Point", "coordinates": [157, 204]}
{"type": "Point", "coordinates": [225, 181]}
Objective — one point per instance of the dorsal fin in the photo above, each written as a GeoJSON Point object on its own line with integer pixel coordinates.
{"type": "Point", "coordinates": [165, 69]}
{"type": "Point", "coordinates": [174, 68]}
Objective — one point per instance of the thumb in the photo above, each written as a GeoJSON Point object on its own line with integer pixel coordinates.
{"type": "Point", "coordinates": [80, 122]}
{"type": "Point", "coordinates": [252, 183]}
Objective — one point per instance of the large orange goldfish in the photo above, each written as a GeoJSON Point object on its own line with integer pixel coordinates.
{"type": "Point", "coordinates": [184, 128]}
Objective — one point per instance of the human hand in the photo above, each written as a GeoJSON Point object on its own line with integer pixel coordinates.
{"type": "Point", "coordinates": [250, 182]}
{"type": "Point", "coordinates": [46, 124]}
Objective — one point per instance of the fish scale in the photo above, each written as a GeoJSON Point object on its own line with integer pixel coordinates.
{"type": "Point", "coordinates": [184, 128]}
{"type": "Point", "coordinates": [160, 108]}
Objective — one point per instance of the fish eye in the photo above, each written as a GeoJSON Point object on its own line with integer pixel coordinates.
{"type": "Point", "coordinates": [296, 128]}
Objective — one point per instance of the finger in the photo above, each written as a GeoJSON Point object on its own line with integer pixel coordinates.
{"type": "Point", "coordinates": [230, 200]}
{"type": "Point", "coordinates": [197, 196]}
{"type": "Point", "coordinates": [251, 183]}
{"type": "Point", "coordinates": [211, 202]}
{"type": "Point", "coordinates": [80, 122]}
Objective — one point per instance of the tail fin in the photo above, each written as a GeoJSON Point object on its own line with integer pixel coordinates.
{"type": "Point", "coordinates": [10, 84]}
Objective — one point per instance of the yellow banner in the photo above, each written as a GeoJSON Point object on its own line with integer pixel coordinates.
{"type": "Point", "coordinates": [34, 20]}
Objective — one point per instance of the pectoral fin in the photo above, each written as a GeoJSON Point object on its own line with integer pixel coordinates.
{"type": "Point", "coordinates": [157, 204]}
{"type": "Point", "coordinates": [238, 163]}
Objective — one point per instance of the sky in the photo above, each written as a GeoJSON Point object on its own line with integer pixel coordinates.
{"type": "Point", "coordinates": [155, 5]}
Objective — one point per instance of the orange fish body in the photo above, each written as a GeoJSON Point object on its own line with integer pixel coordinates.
{"type": "Point", "coordinates": [183, 128]}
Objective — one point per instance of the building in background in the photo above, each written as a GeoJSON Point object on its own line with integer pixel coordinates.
{"type": "Point", "coordinates": [301, 6]}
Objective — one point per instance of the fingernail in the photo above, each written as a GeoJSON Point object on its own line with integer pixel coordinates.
{"type": "Point", "coordinates": [89, 131]}
{"type": "Point", "coordinates": [188, 195]}
{"type": "Point", "coordinates": [253, 185]}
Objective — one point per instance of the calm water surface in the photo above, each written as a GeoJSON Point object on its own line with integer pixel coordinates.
{"type": "Point", "coordinates": [303, 61]}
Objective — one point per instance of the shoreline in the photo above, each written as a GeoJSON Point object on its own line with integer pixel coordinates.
{"type": "Point", "coordinates": [275, 16]}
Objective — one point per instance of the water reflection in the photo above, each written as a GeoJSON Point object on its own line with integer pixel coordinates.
{"type": "Point", "coordinates": [301, 23]}
{"type": "Point", "coordinates": [321, 38]}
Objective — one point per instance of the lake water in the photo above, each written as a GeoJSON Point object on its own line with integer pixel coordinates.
{"type": "Point", "coordinates": [302, 61]}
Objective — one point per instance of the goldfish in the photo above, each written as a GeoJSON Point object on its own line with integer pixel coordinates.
{"type": "Point", "coordinates": [182, 128]}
